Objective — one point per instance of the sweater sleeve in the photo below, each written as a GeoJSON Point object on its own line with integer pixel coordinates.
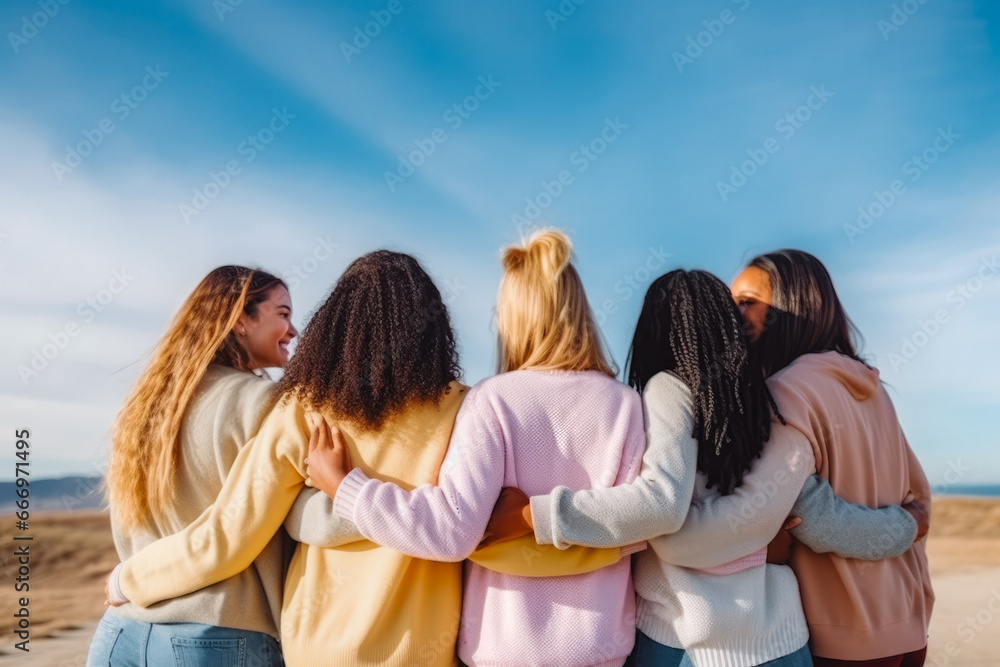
{"type": "Point", "coordinates": [831, 524]}
{"type": "Point", "coordinates": [655, 503]}
{"type": "Point", "coordinates": [720, 529]}
{"type": "Point", "coordinates": [258, 492]}
{"type": "Point", "coordinates": [444, 522]}
{"type": "Point", "coordinates": [524, 558]}
{"type": "Point", "coordinates": [313, 521]}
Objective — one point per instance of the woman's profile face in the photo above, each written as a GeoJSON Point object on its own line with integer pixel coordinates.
{"type": "Point", "coordinates": [266, 336]}
{"type": "Point", "coordinates": [751, 291]}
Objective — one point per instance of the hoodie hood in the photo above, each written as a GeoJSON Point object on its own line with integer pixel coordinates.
{"type": "Point", "coordinates": [860, 380]}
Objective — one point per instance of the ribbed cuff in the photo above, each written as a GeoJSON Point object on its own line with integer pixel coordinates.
{"type": "Point", "coordinates": [541, 518]}
{"type": "Point", "coordinates": [348, 492]}
{"type": "Point", "coordinates": [115, 594]}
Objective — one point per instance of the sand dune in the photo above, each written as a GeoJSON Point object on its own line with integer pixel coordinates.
{"type": "Point", "coordinates": [72, 554]}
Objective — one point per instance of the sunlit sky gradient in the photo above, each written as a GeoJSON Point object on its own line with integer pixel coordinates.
{"type": "Point", "coordinates": [640, 137]}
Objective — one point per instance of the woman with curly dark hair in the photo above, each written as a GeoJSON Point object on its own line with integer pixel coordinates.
{"type": "Point", "coordinates": [379, 360]}
{"type": "Point", "coordinates": [555, 414]}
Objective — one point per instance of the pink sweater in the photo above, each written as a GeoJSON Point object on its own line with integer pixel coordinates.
{"type": "Point", "coordinates": [534, 431]}
{"type": "Point", "coordinates": [857, 610]}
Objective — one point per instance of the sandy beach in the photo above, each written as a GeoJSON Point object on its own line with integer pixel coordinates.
{"type": "Point", "coordinates": [72, 553]}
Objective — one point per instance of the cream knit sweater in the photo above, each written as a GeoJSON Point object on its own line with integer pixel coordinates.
{"type": "Point", "coordinates": [224, 414]}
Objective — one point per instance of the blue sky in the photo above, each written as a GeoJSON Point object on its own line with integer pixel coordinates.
{"type": "Point", "coordinates": [146, 143]}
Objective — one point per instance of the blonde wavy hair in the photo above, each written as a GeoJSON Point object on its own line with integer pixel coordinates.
{"type": "Point", "coordinates": [544, 321]}
{"type": "Point", "coordinates": [139, 482]}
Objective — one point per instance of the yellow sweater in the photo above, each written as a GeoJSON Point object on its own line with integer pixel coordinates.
{"type": "Point", "coordinates": [359, 603]}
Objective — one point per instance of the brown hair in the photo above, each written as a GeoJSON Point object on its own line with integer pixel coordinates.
{"type": "Point", "coordinates": [805, 314]}
{"type": "Point", "coordinates": [544, 321]}
{"type": "Point", "coordinates": [144, 441]}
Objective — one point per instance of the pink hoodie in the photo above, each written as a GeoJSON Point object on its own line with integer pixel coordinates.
{"type": "Point", "coordinates": [857, 610]}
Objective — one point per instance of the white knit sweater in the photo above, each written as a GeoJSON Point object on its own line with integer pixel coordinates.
{"type": "Point", "coordinates": [736, 620]}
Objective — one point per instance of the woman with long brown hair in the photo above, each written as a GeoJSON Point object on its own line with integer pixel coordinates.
{"type": "Point", "coordinates": [877, 614]}
{"type": "Point", "coordinates": [196, 404]}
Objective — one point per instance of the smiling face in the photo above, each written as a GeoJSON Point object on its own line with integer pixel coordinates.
{"type": "Point", "coordinates": [266, 336]}
{"type": "Point", "coordinates": [751, 291]}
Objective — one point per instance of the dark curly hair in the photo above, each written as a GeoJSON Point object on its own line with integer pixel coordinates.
{"type": "Point", "coordinates": [381, 342]}
{"type": "Point", "coordinates": [690, 326]}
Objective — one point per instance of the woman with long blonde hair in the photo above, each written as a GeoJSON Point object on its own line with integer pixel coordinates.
{"type": "Point", "coordinates": [196, 404]}
{"type": "Point", "coordinates": [555, 415]}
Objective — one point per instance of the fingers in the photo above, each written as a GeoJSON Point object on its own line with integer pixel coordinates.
{"type": "Point", "coordinates": [320, 437]}
{"type": "Point", "coordinates": [313, 420]}
{"type": "Point", "coordinates": [339, 446]}
{"type": "Point", "coordinates": [335, 439]}
{"type": "Point", "coordinates": [792, 522]}
{"type": "Point", "coordinates": [315, 440]}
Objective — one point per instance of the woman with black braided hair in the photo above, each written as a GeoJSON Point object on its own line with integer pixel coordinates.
{"type": "Point", "coordinates": [720, 475]}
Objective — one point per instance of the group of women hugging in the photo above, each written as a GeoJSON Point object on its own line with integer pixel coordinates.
{"type": "Point", "coordinates": [747, 498]}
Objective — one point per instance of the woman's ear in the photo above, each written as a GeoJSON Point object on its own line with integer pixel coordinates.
{"type": "Point", "coordinates": [242, 326]}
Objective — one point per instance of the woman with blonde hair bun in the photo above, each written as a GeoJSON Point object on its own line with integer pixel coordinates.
{"type": "Point", "coordinates": [554, 416]}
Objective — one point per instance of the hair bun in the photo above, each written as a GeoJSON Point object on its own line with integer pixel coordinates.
{"type": "Point", "coordinates": [547, 251]}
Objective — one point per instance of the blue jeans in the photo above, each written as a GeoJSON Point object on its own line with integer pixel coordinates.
{"type": "Point", "coordinates": [122, 642]}
{"type": "Point", "coordinates": [648, 653]}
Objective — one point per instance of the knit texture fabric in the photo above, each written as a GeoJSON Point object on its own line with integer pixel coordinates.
{"type": "Point", "coordinates": [224, 414]}
{"type": "Point", "coordinates": [857, 611]}
{"type": "Point", "coordinates": [534, 431]}
{"type": "Point", "coordinates": [703, 585]}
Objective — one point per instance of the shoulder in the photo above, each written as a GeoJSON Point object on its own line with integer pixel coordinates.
{"type": "Point", "coordinates": [223, 378]}
{"type": "Point", "coordinates": [809, 369]}
{"type": "Point", "coordinates": [237, 394]}
{"type": "Point", "coordinates": [794, 374]}
{"type": "Point", "coordinates": [242, 399]}
{"type": "Point", "coordinates": [666, 386]}
{"type": "Point", "coordinates": [667, 400]}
